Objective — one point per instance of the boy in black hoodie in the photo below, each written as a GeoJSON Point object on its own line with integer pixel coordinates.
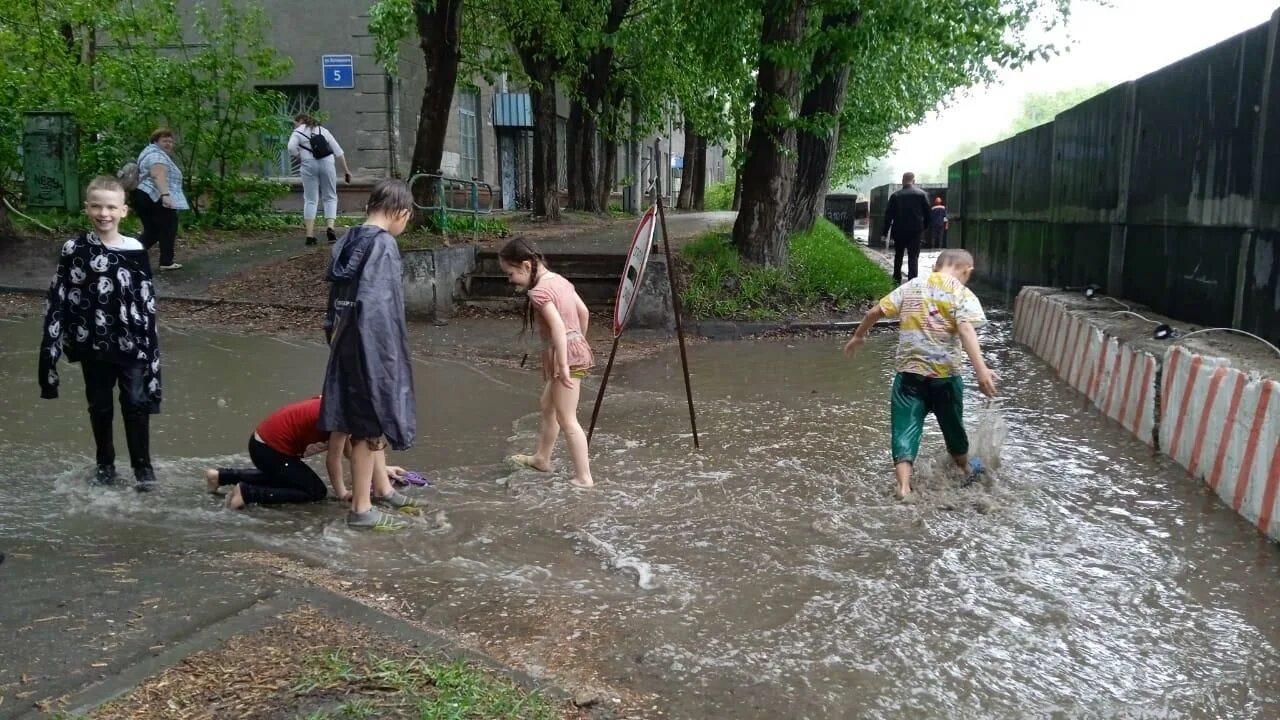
{"type": "Point", "coordinates": [101, 313]}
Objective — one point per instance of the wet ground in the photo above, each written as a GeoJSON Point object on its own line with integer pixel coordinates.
{"type": "Point", "coordinates": [769, 575]}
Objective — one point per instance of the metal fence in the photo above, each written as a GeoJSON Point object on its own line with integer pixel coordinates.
{"type": "Point", "coordinates": [1165, 190]}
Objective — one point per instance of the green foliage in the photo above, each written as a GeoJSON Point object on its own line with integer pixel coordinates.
{"type": "Point", "coordinates": [124, 69]}
{"type": "Point", "coordinates": [391, 23]}
{"type": "Point", "coordinates": [719, 196]}
{"type": "Point", "coordinates": [826, 271]}
{"type": "Point", "coordinates": [466, 225]}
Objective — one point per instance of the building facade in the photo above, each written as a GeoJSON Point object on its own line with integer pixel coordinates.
{"type": "Point", "coordinates": [374, 116]}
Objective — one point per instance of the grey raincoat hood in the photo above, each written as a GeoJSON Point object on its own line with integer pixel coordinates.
{"type": "Point", "coordinates": [368, 385]}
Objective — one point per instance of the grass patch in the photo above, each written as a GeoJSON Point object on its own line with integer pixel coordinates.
{"type": "Point", "coordinates": [826, 272]}
{"type": "Point", "coordinates": [415, 688]}
{"type": "Point", "coordinates": [719, 196]}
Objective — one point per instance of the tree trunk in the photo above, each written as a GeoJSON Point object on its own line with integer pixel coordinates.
{"type": "Point", "coordinates": [7, 230]}
{"type": "Point", "coordinates": [685, 200]}
{"type": "Point", "coordinates": [440, 37]}
{"type": "Point", "coordinates": [700, 180]}
{"type": "Point", "coordinates": [816, 151]}
{"type": "Point", "coordinates": [589, 157]}
{"type": "Point", "coordinates": [761, 231]}
{"type": "Point", "coordinates": [607, 179]}
{"type": "Point", "coordinates": [573, 149]}
{"type": "Point", "coordinates": [546, 196]}
{"type": "Point", "coordinates": [593, 87]}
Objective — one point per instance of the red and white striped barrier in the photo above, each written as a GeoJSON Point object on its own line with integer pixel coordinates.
{"type": "Point", "coordinates": [1224, 428]}
{"type": "Point", "coordinates": [1119, 380]}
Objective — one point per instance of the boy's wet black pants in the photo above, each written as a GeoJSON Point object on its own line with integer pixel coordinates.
{"type": "Point", "coordinates": [100, 378]}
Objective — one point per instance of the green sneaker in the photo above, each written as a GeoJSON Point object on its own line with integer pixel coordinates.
{"type": "Point", "coordinates": [397, 500]}
{"type": "Point", "coordinates": [375, 519]}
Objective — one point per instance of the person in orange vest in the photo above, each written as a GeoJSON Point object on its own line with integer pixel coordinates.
{"type": "Point", "coordinates": [938, 224]}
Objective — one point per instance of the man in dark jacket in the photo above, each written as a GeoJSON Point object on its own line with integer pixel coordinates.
{"type": "Point", "coordinates": [906, 217]}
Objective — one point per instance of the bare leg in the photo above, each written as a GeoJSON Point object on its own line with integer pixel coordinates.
{"type": "Point", "coordinates": [211, 480]}
{"type": "Point", "coordinates": [362, 462]}
{"type": "Point", "coordinates": [549, 431]}
{"type": "Point", "coordinates": [565, 401]}
{"type": "Point", "coordinates": [903, 471]}
{"type": "Point", "coordinates": [381, 481]}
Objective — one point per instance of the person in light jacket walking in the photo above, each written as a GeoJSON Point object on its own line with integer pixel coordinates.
{"type": "Point", "coordinates": [318, 152]}
{"type": "Point", "coordinates": [159, 196]}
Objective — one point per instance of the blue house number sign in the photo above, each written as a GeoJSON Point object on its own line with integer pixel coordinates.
{"type": "Point", "coordinates": [339, 72]}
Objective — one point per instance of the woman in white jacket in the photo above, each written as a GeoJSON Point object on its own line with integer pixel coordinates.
{"type": "Point", "coordinates": [318, 152]}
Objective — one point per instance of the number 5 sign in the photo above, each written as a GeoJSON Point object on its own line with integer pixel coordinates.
{"type": "Point", "coordinates": [339, 72]}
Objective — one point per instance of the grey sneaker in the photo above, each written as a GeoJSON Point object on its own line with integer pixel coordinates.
{"type": "Point", "coordinates": [397, 500]}
{"type": "Point", "coordinates": [375, 519]}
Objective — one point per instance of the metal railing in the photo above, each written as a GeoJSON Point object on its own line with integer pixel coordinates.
{"type": "Point", "coordinates": [444, 194]}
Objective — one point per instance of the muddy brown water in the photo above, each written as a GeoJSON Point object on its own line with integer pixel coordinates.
{"type": "Point", "coordinates": [769, 575]}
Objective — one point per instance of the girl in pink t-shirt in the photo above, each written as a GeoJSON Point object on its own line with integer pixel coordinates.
{"type": "Point", "coordinates": [561, 316]}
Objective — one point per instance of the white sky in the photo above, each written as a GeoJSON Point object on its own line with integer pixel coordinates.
{"type": "Point", "coordinates": [1121, 41]}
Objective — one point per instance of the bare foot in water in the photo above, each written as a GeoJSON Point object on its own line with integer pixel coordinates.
{"type": "Point", "coordinates": [211, 480]}
{"type": "Point", "coordinates": [235, 501]}
{"type": "Point", "coordinates": [532, 462]}
{"type": "Point", "coordinates": [580, 483]}
{"type": "Point", "coordinates": [904, 492]}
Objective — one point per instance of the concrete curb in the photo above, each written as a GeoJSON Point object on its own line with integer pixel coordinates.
{"type": "Point", "coordinates": [266, 610]}
{"type": "Point", "coordinates": [1220, 423]}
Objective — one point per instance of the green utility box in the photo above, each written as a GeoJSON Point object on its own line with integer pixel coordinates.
{"type": "Point", "coordinates": [50, 153]}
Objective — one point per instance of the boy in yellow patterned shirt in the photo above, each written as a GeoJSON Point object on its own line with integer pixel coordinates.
{"type": "Point", "coordinates": [937, 316]}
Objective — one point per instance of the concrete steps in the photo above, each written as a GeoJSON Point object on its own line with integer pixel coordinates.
{"type": "Point", "coordinates": [595, 276]}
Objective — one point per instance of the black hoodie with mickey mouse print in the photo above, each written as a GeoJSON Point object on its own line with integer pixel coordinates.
{"type": "Point", "coordinates": [101, 307]}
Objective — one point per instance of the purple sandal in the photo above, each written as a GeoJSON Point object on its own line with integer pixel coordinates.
{"type": "Point", "coordinates": [414, 478]}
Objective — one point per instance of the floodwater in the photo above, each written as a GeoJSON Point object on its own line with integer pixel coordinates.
{"type": "Point", "coordinates": [771, 574]}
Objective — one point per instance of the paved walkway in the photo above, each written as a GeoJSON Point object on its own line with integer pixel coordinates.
{"type": "Point", "coordinates": [616, 237]}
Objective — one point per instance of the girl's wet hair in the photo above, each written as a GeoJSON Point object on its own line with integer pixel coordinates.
{"type": "Point", "coordinates": [104, 182]}
{"type": "Point", "coordinates": [517, 250]}
{"type": "Point", "coordinates": [389, 197]}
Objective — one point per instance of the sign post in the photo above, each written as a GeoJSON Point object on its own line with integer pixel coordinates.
{"type": "Point", "coordinates": [629, 290]}
{"type": "Point", "coordinates": [339, 72]}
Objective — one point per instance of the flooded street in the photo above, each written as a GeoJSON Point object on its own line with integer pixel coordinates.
{"type": "Point", "coordinates": [771, 574]}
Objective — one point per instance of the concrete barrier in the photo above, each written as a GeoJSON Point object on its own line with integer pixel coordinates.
{"type": "Point", "coordinates": [1224, 428]}
{"type": "Point", "coordinates": [1118, 379]}
{"type": "Point", "coordinates": [1218, 422]}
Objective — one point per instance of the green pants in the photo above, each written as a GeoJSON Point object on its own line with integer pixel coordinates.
{"type": "Point", "coordinates": [915, 396]}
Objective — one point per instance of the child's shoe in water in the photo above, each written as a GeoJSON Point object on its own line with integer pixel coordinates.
{"type": "Point", "coordinates": [976, 468]}
{"type": "Point", "coordinates": [146, 479]}
{"type": "Point", "coordinates": [375, 519]}
{"type": "Point", "coordinates": [397, 500]}
{"type": "Point", "coordinates": [104, 475]}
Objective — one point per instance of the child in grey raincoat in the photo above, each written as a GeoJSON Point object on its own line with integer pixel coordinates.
{"type": "Point", "coordinates": [368, 385]}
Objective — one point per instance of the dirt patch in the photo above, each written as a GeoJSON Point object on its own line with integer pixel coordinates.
{"type": "Point", "coordinates": [298, 279]}
{"type": "Point", "coordinates": [547, 634]}
{"type": "Point", "coordinates": [312, 664]}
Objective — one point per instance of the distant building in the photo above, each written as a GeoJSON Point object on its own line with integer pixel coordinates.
{"type": "Point", "coordinates": [375, 117]}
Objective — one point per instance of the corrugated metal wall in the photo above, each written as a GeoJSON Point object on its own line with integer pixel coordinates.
{"type": "Point", "coordinates": [1165, 190]}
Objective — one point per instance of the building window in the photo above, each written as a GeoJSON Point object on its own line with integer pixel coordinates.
{"type": "Point", "coordinates": [297, 98]}
{"type": "Point", "coordinates": [468, 129]}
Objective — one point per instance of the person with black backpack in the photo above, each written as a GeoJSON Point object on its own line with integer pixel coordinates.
{"type": "Point", "coordinates": [317, 151]}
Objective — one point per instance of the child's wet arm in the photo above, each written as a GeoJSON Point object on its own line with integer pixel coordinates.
{"type": "Point", "coordinates": [969, 341]}
{"type": "Point", "coordinates": [558, 341]}
{"type": "Point", "coordinates": [873, 316]}
{"type": "Point", "coordinates": [584, 316]}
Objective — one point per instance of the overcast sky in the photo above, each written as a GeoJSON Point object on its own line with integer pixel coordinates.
{"type": "Point", "coordinates": [1122, 41]}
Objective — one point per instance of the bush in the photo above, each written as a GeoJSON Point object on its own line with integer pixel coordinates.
{"type": "Point", "coordinates": [826, 272]}
{"type": "Point", "coordinates": [719, 196]}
